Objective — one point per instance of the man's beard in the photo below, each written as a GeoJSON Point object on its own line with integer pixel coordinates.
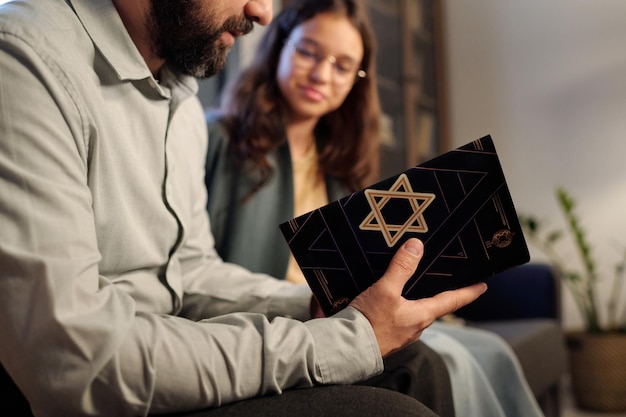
{"type": "Point", "coordinates": [188, 38]}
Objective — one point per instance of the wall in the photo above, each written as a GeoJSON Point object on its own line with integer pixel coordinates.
{"type": "Point", "coordinates": [548, 81]}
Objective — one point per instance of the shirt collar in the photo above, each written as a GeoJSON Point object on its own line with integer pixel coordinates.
{"type": "Point", "coordinates": [108, 33]}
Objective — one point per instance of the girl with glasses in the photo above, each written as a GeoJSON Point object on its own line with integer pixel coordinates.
{"type": "Point", "coordinates": [300, 128]}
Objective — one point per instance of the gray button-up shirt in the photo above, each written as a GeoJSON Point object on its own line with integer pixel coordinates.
{"type": "Point", "coordinates": [105, 243]}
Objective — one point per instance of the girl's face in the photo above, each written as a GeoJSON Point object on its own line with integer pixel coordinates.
{"type": "Point", "coordinates": [318, 65]}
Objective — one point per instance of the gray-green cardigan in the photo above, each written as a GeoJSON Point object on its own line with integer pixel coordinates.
{"type": "Point", "coordinates": [244, 231]}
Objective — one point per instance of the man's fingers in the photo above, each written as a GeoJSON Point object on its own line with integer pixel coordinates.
{"type": "Point", "coordinates": [316, 309]}
{"type": "Point", "coordinates": [449, 301]}
{"type": "Point", "coordinates": [403, 264]}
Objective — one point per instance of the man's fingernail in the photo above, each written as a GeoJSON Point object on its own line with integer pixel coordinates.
{"type": "Point", "coordinates": [413, 246]}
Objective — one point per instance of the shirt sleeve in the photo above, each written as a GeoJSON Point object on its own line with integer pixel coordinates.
{"type": "Point", "coordinates": [74, 343]}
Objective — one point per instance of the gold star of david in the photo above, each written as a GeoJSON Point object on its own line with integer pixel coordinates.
{"type": "Point", "coordinates": [377, 199]}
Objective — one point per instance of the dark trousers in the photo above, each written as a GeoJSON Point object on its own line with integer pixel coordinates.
{"type": "Point", "coordinates": [415, 382]}
{"type": "Point", "coordinates": [327, 401]}
{"type": "Point", "coordinates": [419, 372]}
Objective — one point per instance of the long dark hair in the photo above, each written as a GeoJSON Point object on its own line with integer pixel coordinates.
{"type": "Point", "coordinates": [254, 109]}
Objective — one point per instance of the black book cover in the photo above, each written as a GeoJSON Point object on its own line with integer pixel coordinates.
{"type": "Point", "coordinates": [458, 204]}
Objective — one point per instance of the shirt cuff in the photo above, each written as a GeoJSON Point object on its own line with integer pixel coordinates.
{"type": "Point", "coordinates": [346, 347]}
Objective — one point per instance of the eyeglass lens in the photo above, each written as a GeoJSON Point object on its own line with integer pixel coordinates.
{"type": "Point", "coordinates": [308, 54]}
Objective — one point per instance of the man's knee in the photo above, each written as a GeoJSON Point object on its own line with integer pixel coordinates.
{"type": "Point", "coordinates": [419, 372]}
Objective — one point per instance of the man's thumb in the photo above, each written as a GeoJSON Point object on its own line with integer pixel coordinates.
{"type": "Point", "coordinates": [404, 262]}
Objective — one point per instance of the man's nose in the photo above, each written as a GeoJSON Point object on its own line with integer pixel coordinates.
{"type": "Point", "coordinates": [259, 11]}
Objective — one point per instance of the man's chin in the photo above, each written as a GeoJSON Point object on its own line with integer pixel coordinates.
{"type": "Point", "coordinates": [209, 66]}
{"type": "Point", "coordinates": [211, 70]}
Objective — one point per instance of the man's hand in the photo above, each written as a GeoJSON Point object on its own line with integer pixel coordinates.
{"type": "Point", "coordinates": [397, 321]}
{"type": "Point", "coordinates": [316, 309]}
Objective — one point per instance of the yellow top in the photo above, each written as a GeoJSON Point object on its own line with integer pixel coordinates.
{"type": "Point", "coordinates": [309, 193]}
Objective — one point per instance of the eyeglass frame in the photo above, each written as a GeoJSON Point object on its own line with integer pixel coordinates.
{"type": "Point", "coordinates": [320, 56]}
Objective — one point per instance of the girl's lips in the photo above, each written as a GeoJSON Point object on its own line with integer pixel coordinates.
{"type": "Point", "coordinates": [312, 94]}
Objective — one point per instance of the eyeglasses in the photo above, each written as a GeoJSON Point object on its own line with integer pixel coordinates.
{"type": "Point", "coordinates": [308, 54]}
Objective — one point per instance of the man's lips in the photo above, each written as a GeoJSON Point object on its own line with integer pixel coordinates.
{"type": "Point", "coordinates": [228, 38]}
{"type": "Point", "coordinates": [238, 26]}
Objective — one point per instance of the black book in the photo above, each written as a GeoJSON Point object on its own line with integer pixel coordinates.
{"type": "Point", "coordinates": [458, 204]}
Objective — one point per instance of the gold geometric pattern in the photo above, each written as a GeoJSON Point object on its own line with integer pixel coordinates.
{"type": "Point", "coordinates": [377, 199]}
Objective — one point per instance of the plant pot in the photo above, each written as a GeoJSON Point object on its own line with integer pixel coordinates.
{"type": "Point", "coordinates": [598, 370]}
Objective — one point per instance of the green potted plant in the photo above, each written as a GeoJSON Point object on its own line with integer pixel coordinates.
{"type": "Point", "coordinates": [597, 354]}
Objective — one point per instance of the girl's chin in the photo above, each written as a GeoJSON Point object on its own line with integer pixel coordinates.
{"type": "Point", "coordinates": [301, 115]}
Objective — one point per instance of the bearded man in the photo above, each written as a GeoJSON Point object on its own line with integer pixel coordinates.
{"type": "Point", "coordinates": [113, 301]}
